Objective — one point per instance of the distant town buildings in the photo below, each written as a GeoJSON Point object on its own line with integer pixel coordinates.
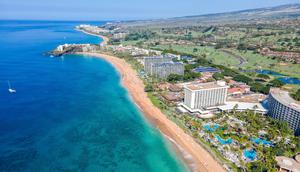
{"type": "Point", "coordinates": [91, 29]}
{"type": "Point", "coordinates": [286, 56]}
{"type": "Point", "coordinates": [284, 108]}
{"type": "Point", "coordinates": [134, 51]}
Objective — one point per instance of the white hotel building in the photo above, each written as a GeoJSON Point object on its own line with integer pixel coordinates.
{"type": "Point", "coordinates": [203, 96]}
{"type": "Point", "coordinates": [284, 108]}
{"type": "Point", "coordinates": [207, 98]}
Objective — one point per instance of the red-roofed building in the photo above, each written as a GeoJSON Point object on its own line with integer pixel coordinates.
{"type": "Point", "coordinates": [238, 91]}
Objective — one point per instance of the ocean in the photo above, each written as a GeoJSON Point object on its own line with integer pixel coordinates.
{"type": "Point", "coordinates": [69, 113]}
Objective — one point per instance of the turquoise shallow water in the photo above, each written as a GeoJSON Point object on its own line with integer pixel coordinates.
{"type": "Point", "coordinates": [70, 113]}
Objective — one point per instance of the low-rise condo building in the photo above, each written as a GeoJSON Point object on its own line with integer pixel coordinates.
{"type": "Point", "coordinates": [163, 70]}
{"type": "Point", "coordinates": [198, 97]}
{"type": "Point", "coordinates": [148, 61]}
{"type": "Point", "coordinates": [284, 108]}
{"type": "Point", "coordinates": [119, 35]}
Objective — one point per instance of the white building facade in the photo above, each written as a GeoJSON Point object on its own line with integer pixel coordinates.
{"type": "Point", "coordinates": [284, 108]}
{"type": "Point", "coordinates": [205, 95]}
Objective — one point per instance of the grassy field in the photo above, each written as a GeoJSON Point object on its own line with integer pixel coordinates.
{"type": "Point", "coordinates": [215, 56]}
{"type": "Point", "coordinates": [292, 87]}
{"type": "Point", "coordinates": [125, 43]}
{"type": "Point", "coordinates": [256, 61]}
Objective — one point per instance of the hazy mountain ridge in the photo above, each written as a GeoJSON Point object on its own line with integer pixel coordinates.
{"type": "Point", "coordinates": [290, 11]}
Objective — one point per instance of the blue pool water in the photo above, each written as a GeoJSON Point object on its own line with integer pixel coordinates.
{"type": "Point", "coordinates": [223, 141]}
{"type": "Point", "coordinates": [288, 80]}
{"type": "Point", "coordinates": [250, 154]}
{"type": "Point", "coordinates": [268, 72]}
{"type": "Point", "coordinates": [210, 128]}
{"type": "Point", "coordinates": [283, 78]}
{"type": "Point", "coordinates": [261, 141]}
{"type": "Point", "coordinates": [70, 113]}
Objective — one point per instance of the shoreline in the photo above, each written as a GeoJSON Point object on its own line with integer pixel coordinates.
{"type": "Point", "coordinates": [104, 38]}
{"type": "Point", "coordinates": [195, 156]}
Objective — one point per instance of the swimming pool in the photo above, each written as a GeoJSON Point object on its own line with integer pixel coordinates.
{"type": "Point", "coordinates": [210, 128]}
{"type": "Point", "coordinates": [223, 141]}
{"type": "Point", "coordinates": [250, 154]}
{"type": "Point", "coordinates": [261, 141]}
{"type": "Point", "coordinates": [283, 78]}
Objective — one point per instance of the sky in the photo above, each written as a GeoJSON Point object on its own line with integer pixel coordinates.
{"type": "Point", "coordinates": [123, 9]}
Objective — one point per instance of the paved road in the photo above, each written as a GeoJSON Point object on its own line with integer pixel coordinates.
{"type": "Point", "coordinates": [239, 58]}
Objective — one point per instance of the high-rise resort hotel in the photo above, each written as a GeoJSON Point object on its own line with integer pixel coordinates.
{"type": "Point", "coordinates": [205, 99]}
{"type": "Point", "coordinates": [203, 96]}
{"type": "Point", "coordinates": [284, 108]}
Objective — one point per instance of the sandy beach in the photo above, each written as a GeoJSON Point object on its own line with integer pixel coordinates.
{"type": "Point", "coordinates": [104, 38]}
{"type": "Point", "coordinates": [196, 157]}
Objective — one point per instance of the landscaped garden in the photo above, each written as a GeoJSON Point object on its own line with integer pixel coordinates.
{"type": "Point", "coordinates": [249, 141]}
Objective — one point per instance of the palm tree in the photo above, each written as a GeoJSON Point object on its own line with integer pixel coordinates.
{"type": "Point", "coordinates": [254, 108]}
{"type": "Point", "coordinates": [235, 108]}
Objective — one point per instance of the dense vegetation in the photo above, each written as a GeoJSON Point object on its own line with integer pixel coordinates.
{"type": "Point", "coordinates": [254, 122]}
{"type": "Point", "coordinates": [276, 130]}
{"type": "Point", "coordinates": [296, 96]}
{"type": "Point", "coordinates": [139, 35]}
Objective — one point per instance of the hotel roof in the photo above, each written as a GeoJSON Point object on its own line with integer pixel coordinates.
{"type": "Point", "coordinates": [288, 163]}
{"type": "Point", "coordinates": [208, 85]}
{"type": "Point", "coordinates": [297, 158]}
{"type": "Point", "coordinates": [242, 106]}
{"type": "Point", "coordinates": [284, 98]}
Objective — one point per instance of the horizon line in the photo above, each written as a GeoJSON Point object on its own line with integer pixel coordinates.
{"type": "Point", "coordinates": [145, 19]}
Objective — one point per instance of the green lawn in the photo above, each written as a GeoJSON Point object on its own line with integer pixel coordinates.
{"type": "Point", "coordinates": [256, 61]}
{"type": "Point", "coordinates": [212, 54]}
{"type": "Point", "coordinates": [125, 43]}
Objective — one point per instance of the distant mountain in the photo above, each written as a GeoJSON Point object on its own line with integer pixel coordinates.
{"type": "Point", "coordinates": [290, 11]}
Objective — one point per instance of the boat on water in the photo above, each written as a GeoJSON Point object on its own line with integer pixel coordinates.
{"type": "Point", "coordinates": [11, 90]}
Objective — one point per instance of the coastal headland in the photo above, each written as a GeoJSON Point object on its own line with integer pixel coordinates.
{"type": "Point", "coordinates": [196, 157]}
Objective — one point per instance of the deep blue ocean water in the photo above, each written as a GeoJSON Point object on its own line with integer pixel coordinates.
{"type": "Point", "coordinates": [69, 113]}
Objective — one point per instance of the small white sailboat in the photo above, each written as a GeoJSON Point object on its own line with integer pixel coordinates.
{"type": "Point", "coordinates": [11, 90]}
